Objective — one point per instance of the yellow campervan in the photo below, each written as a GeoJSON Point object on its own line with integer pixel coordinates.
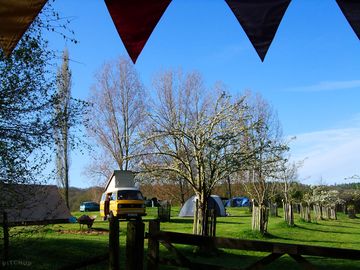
{"type": "Point", "coordinates": [123, 202]}
{"type": "Point", "coordinates": [121, 198]}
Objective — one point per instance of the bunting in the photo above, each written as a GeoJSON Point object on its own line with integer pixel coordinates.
{"type": "Point", "coordinates": [135, 20]}
{"type": "Point", "coordinates": [351, 11]}
{"type": "Point", "coordinates": [260, 20]}
{"type": "Point", "coordinates": [15, 18]}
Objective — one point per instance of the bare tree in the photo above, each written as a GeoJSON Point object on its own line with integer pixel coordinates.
{"type": "Point", "coordinates": [117, 112]}
{"type": "Point", "coordinates": [102, 165]}
{"type": "Point", "coordinates": [265, 142]}
{"type": "Point", "coordinates": [189, 133]}
{"type": "Point", "coordinates": [172, 189]}
{"type": "Point", "coordinates": [287, 174]}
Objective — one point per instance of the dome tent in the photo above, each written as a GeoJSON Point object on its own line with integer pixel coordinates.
{"type": "Point", "coordinates": [238, 202]}
{"type": "Point", "coordinates": [214, 202]}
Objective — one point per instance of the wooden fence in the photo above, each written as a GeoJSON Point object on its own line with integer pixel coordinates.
{"type": "Point", "coordinates": [276, 250]}
{"type": "Point", "coordinates": [135, 249]}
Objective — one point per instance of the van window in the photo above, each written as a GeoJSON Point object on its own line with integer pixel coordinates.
{"type": "Point", "coordinates": [129, 195]}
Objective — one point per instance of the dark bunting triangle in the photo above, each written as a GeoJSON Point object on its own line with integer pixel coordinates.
{"type": "Point", "coordinates": [351, 11]}
{"type": "Point", "coordinates": [135, 20]}
{"type": "Point", "coordinates": [260, 20]}
{"type": "Point", "coordinates": [15, 18]}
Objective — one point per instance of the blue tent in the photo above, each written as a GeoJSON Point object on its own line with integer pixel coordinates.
{"type": "Point", "coordinates": [237, 202]}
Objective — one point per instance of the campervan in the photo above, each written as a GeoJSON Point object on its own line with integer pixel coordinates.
{"type": "Point", "coordinates": [124, 203]}
{"type": "Point", "coordinates": [121, 198]}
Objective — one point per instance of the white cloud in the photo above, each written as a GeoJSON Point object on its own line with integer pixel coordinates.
{"type": "Point", "coordinates": [327, 86]}
{"type": "Point", "coordinates": [329, 154]}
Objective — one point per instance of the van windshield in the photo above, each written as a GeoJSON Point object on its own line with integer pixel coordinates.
{"type": "Point", "coordinates": [129, 195]}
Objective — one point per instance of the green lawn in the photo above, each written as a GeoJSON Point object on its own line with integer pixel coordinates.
{"type": "Point", "coordinates": [56, 246]}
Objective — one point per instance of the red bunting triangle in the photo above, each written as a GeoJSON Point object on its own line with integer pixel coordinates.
{"type": "Point", "coordinates": [260, 20]}
{"type": "Point", "coordinates": [135, 20]}
{"type": "Point", "coordinates": [15, 18]}
{"type": "Point", "coordinates": [351, 11]}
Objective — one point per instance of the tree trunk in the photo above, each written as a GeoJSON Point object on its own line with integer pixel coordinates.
{"type": "Point", "coordinates": [317, 212]}
{"type": "Point", "coordinates": [324, 212]}
{"type": "Point", "coordinates": [66, 176]}
{"type": "Point", "coordinates": [264, 216]}
{"type": "Point", "coordinates": [289, 214]}
{"type": "Point", "coordinates": [333, 215]}
{"type": "Point", "coordinates": [195, 222]}
{"type": "Point", "coordinates": [260, 216]}
{"type": "Point", "coordinates": [182, 186]}
{"type": "Point", "coordinates": [200, 220]}
{"type": "Point", "coordinates": [229, 187]}
{"type": "Point", "coordinates": [305, 212]}
{"type": "Point", "coordinates": [321, 212]}
{"type": "Point", "coordinates": [302, 211]}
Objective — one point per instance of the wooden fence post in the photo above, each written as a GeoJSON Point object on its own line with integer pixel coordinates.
{"type": "Point", "coordinates": [153, 246]}
{"type": "Point", "coordinates": [113, 243]}
{"type": "Point", "coordinates": [6, 237]}
{"type": "Point", "coordinates": [135, 245]}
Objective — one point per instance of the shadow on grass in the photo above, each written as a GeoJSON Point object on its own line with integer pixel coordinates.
{"type": "Point", "coordinates": [230, 222]}
{"type": "Point", "coordinates": [190, 221]}
{"type": "Point", "coordinates": [324, 231]}
{"type": "Point", "coordinates": [327, 225]}
{"type": "Point", "coordinates": [221, 258]}
{"type": "Point", "coordinates": [242, 259]}
{"type": "Point", "coordinates": [44, 253]}
{"type": "Point", "coordinates": [239, 216]}
{"type": "Point", "coordinates": [350, 221]}
{"type": "Point", "coordinates": [181, 220]}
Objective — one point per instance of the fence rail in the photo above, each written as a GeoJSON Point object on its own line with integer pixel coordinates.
{"type": "Point", "coordinates": [276, 250]}
{"type": "Point", "coordinates": [135, 249]}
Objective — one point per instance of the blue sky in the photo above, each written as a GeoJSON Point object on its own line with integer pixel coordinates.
{"type": "Point", "coordinates": [311, 74]}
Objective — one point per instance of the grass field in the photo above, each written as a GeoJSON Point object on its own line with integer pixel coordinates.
{"type": "Point", "coordinates": [54, 246]}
